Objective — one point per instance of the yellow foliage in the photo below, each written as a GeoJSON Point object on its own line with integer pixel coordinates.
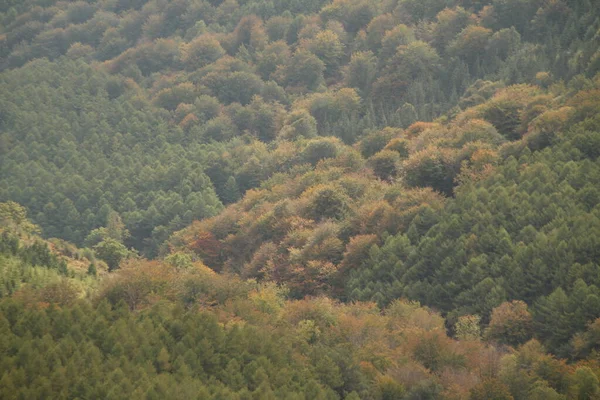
{"type": "Point", "coordinates": [269, 298]}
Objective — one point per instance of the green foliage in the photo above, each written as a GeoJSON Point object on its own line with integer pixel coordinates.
{"type": "Point", "coordinates": [299, 124]}
{"type": "Point", "coordinates": [374, 142]}
{"type": "Point", "coordinates": [142, 354]}
{"type": "Point", "coordinates": [202, 51]}
{"type": "Point", "coordinates": [270, 347]}
{"type": "Point", "coordinates": [327, 203]}
{"type": "Point", "coordinates": [125, 121]}
{"type": "Point", "coordinates": [504, 115]}
{"type": "Point", "coordinates": [96, 134]}
{"type": "Point", "coordinates": [32, 254]}
{"type": "Point", "coordinates": [13, 218]}
{"type": "Point", "coordinates": [177, 53]}
{"type": "Point", "coordinates": [467, 327]}
{"type": "Point", "coordinates": [29, 263]}
{"type": "Point", "coordinates": [385, 164]}
{"type": "Point", "coordinates": [112, 252]}
{"type": "Point", "coordinates": [432, 167]}
{"type": "Point", "coordinates": [319, 149]}
{"type": "Point", "coordinates": [464, 264]}
{"type": "Point", "coordinates": [327, 46]}
{"type": "Point", "coordinates": [239, 86]}
{"type": "Point", "coordinates": [361, 72]}
{"type": "Point", "coordinates": [304, 70]}
{"type": "Point", "coordinates": [492, 390]}
{"type": "Point", "coordinates": [586, 382]}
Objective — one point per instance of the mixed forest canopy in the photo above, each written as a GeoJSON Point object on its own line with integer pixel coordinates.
{"type": "Point", "coordinates": [290, 199]}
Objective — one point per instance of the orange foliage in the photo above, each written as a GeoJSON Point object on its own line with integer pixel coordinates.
{"type": "Point", "coordinates": [409, 373]}
{"type": "Point", "coordinates": [551, 120]}
{"type": "Point", "coordinates": [250, 32]}
{"type": "Point", "coordinates": [379, 217]}
{"type": "Point", "coordinates": [418, 127]}
{"type": "Point", "coordinates": [510, 323]}
{"type": "Point", "coordinates": [357, 251]}
{"type": "Point", "coordinates": [313, 277]}
{"type": "Point", "coordinates": [138, 283]}
{"type": "Point", "coordinates": [491, 389]}
{"type": "Point", "coordinates": [586, 102]}
{"type": "Point", "coordinates": [263, 264]}
{"type": "Point", "coordinates": [188, 121]}
{"type": "Point", "coordinates": [207, 247]}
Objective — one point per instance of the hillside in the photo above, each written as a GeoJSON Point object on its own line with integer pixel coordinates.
{"type": "Point", "coordinates": [281, 199]}
{"type": "Point", "coordinates": [130, 106]}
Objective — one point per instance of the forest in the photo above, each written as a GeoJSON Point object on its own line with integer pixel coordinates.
{"type": "Point", "coordinates": [300, 199]}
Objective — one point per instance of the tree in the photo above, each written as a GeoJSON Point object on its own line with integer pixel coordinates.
{"type": "Point", "coordinates": [239, 86]}
{"type": "Point", "coordinates": [504, 43]}
{"type": "Point", "coordinates": [361, 71]}
{"type": "Point", "coordinates": [137, 281]}
{"type": "Point", "coordinates": [413, 66]}
{"type": "Point", "coordinates": [517, 13]}
{"type": "Point", "coordinates": [277, 27]}
{"type": "Point", "coordinates": [551, 18]}
{"type": "Point", "coordinates": [543, 392]}
{"type": "Point", "coordinates": [202, 51]}
{"type": "Point", "coordinates": [332, 110]}
{"type": "Point", "coordinates": [251, 174]}
{"type": "Point", "coordinates": [250, 32]}
{"type": "Point", "coordinates": [61, 293]}
{"type": "Point", "coordinates": [207, 107]}
{"type": "Point", "coordinates": [207, 247]}
{"type": "Point", "coordinates": [377, 28]}
{"type": "Point", "coordinates": [13, 217]}
{"type": "Point", "coordinates": [357, 251]}
{"type": "Point", "coordinates": [92, 270]}
{"type": "Point", "coordinates": [586, 384]}
{"type": "Point", "coordinates": [415, 60]}
{"type": "Point", "coordinates": [399, 145]}
{"type": "Point", "coordinates": [219, 129]}
{"type": "Point", "coordinates": [304, 70]}
{"type": "Point", "coordinates": [299, 124]}
{"type": "Point", "coordinates": [467, 327]}
{"type": "Point", "coordinates": [319, 149]}
{"type": "Point", "coordinates": [449, 22]}
{"type": "Point", "coordinates": [432, 349]}
{"type": "Point", "coordinates": [149, 57]}
{"type": "Point", "coordinates": [162, 361]}
{"type": "Point", "coordinates": [275, 55]}
{"type": "Point", "coordinates": [470, 44]}
{"type": "Point", "coordinates": [400, 35]}
{"type": "Point", "coordinates": [357, 15]}
{"type": "Point", "coordinates": [115, 229]}
{"type": "Point", "coordinates": [78, 50]}
{"type": "Point", "coordinates": [327, 46]}
{"type": "Point", "coordinates": [510, 323]}
{"type": "Point", "coordinates": [373, 142]}
{"type": "Point", "coordinates": [327, 202]}
{"type": "Point", "coordinates": [490, 389]}
{"type": "Point", "coordinates": [231, 192]}
{"type": "Point", "coordinates": [385, 164]}
{"type": "Point", "coordinates": [112, 252]}
{"type": "Point", "coordinates": [504, 114]}
{"type": "Point", "coordinates": [432, 167]}
{"type": "Point", "coordinates": [389, 389]}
